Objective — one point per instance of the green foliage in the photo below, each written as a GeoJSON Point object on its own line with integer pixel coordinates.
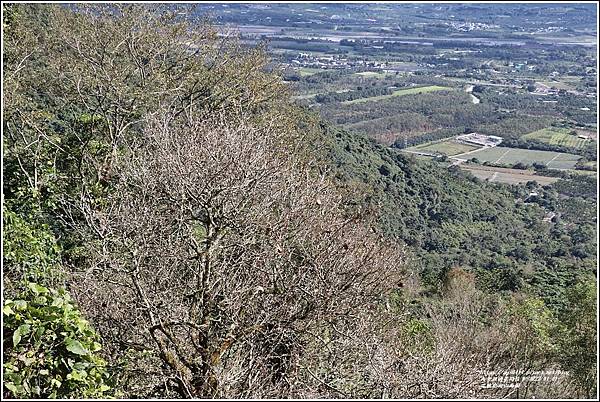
{"type": "Point", "coordinates": [30, 250]}
{"type": "Point", "coordinates": [539, 323]}
{"type": "Point", "coordinates": [416, 336]}
{"type": "Point", "coordinates": [65, 127]}
{"type": "Point", "coordinates": [578, 336]}
{"type": "Point", "coordinates": [449, 219]}
{"type": "Point", "coordinates": [577, 186]}
{"type": "Point", "coordinates": [50, 351]}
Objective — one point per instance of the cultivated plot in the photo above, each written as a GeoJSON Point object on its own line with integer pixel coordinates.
{"type": "Point", "coordinates": [508, 176]}
{"type": "Point", "coordinates": [400, 92]}
{"type": "Point", "coordinates": [448, 148]}
{"type": "Point", "coordinates": [502, 155]}
{"type": "Point", "coordinates": [557, 136]}
{"type": "Point", "coordinates": [304, 71]}
{"type": "Point", "coordinates": [372, 74]}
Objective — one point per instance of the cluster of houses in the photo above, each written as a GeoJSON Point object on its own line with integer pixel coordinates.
{"type": "Point", "coordinates": [471, 26]}
{"type": "Point", "coordinates": [520, 66]}
{"type": "Point", "coordinates": [334, 62]}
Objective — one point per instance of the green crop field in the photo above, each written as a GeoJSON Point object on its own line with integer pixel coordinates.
{"type": "Point", "coordinates": [400, 92]}
{"type": "Point", "coordinates": [304, 71]}
{"type": "Point", "coordinates": [502, 155]}
{"type": "Point", "coordinates": [557, 136]}
{"type": "Point", "coordinates": [448, 148]}
{"type": "Point", "coordinates": [375, 74]}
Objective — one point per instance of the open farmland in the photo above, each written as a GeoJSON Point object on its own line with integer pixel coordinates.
{"type": "Point", "coordinates": [305, 96]}
{"type": "Point", "coordinates": [590, 134]}
{"type": "Point", "coordinates": [448, 148]}
{"type": "Point", "coordinates": [502, 155]}
{"type": "Point", "coordinates": [558, 85]}
{"type": "Point", "coordinates": [584, 172]}
{"type": "Point", "coordinates": [308, 71]}
{"type": "Point", "coordinates": [372, 74]}
{"type": "Point", "coordinates": [557, 136]}
{"type": "Point", "coordinates": [400, 92]}
{"type": "Point", "coordinates": [508, 176]}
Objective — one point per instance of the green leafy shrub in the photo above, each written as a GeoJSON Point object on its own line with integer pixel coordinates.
{"type": "Point", "coordinates": [30, 250]}
{"type": "Point", "coordinates": [50, 351]}
{"type": "Point", "coordinates": [538, 323]}
{"type": "Point", "coordinates": [417, 336]}
{"type": "Point", "coordinates": [578, 336]}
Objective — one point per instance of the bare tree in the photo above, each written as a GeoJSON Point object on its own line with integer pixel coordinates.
{"type": "Point", "coordinates": [211, 237]}
{"type": "Point", "coordinates": [222, 250]}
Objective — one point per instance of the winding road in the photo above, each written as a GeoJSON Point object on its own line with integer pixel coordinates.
{"type": "Point", "coordinates": [469, 90]}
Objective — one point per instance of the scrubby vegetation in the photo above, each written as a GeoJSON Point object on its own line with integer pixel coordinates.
{"type": "Point", "coordinates": [175, 227]}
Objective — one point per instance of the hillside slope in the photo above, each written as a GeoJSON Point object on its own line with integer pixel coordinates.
{"type": "Point", "coordinates": [452, 219]}
{"type": "Point", "coordinates": [220, 242]}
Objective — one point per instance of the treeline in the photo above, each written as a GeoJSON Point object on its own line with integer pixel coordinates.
{"type": "Point", "coordinates": [453, 219]}
{"type": "Point", "coordinates": [578, 186]}
{"type": "Point", "coordinates": [511, 126]}
{"type": "Point", "coordinates": [588, 153]}
{"type": "Point", "coordinates": [430, 112]}
{"type": "Point", "coordinates": [564, 105]}
{"type": "Point", "coordinates": [336, 80]}
{"type": "Point", "coordinates": [508, 115]}
{"type": "Point", "coordinates": [408, 125]}
{"type": "Point", "coordinates": [439, 105]}
{"type": "Point", "coordinates": [506, 98]}
{"type": "Point", "coordinates": [308, 46]}
{"type": "Point", "coordinates": [538, 145]}
{"type": "Point", "coordinates": [364, 46]}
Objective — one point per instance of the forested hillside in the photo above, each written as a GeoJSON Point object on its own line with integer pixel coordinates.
{"type": "Point", "coordinates": [174, 226]}
{"type": "Point", "coordinates": [453, 219]}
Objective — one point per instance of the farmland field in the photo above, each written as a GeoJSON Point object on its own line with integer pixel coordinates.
{"type": "Point", "coordinates": [372, 74]}
{"type": "Point", "coordinates": [508, 176]}
{"type": "Point", "coordinates": [448, 148]}
{"type": "Point", "coordinates": [557, 136]}
{"type": "Point", "coordinates": [306, 96]}
{"type": "Point", "coordinates": [584, 172]}
{"type": "Point", "coordinates": [304, 71]}
{"type": "Point", "coordinates": [591, 134]}
{"type": "Point", "coordinates": [502, 155]}
{"type": "Point", "coordinates": [557, 85]}
{"type": "Point", "coordinates": [400, 92]}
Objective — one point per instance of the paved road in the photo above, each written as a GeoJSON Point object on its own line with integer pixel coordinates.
{"type": "Point", "coordinates": [469, 90]}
